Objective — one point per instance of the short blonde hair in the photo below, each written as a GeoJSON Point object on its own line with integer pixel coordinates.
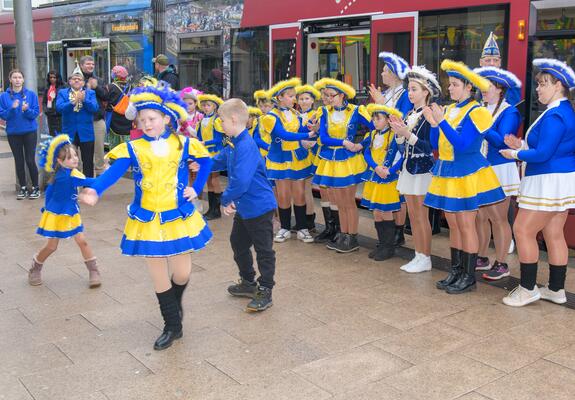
{"type": "Point", "coordinates": [235, 107]}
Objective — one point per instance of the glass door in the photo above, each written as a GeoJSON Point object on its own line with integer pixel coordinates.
{"type": "Point", "coordinates": [200, 61]}
{"type": "Point", "coordinates": [101, 54]}
{"type": "Point", "coordinates": [285, 46]}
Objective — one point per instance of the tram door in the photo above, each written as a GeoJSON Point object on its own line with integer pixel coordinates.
{"type": "Point", "coordinates": [63, 55]}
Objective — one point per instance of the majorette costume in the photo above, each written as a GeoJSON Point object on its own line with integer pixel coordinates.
{"type": "Point", "coordinates": [396, 97]}
{"type": "Point", "coordinates": [161, 222]}
{"type": "Point", "coordinates": [549, 180]}
{"type": "Point", "coordinates": [61, 213]}
{"type": "Point", "coordinates": [338, 167]}
{"type": "Point", "coordinates": [262, 138]}
{"type": "Point", "coordinates": [506, 121]}
{"type": "Point", "coordinates": [189, 127]}
{"type": "Point", "coordinates": [210, 131]}
{"type": "Point", "coordinates": [462, 179]}
{"type": "Point", "coordinates": [417, 158]}
{"type": "Point", "coordinates": [311, 114]}
{"type": "Point", "coordinates": [287, 158]}
{"type": "Point", "coordinates": [254, 131]}
{"type": "Point", "coordinates": [379, 149]}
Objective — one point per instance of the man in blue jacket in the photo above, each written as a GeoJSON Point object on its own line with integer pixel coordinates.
{"type": "Point", "coordinates": [78, 106]}
{"type": "Point", "coordinates": [250, 197]}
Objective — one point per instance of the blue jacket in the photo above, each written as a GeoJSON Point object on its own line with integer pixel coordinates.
{"type": "Point", "coordinates": [507, 123]}
{"type": "Point", "coordinates": [62, 193]}
{"type": "Point", "coordinates": [81, 122]}
{"type": "Point", "coordinates": [248, 184]}
{"type": "Point", "coordinates": [551, 141]}
{"type": "Point", "coordinates": [19, 122]}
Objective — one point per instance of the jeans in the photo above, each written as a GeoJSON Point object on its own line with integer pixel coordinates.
{"type": "Point", "coordinates": [257, 232]}
{"type": "Point", "coordinates": [87, 155]}
{"type": "Point", "coordinates": [24, 150]}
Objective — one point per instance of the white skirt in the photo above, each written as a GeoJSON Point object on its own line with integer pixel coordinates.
{"type": "Point", "coordinates": [548, 192]}
{"type": "Point", "coordinates": [413, 185]}
{"type": "Point", "coordinates": [508, 175]}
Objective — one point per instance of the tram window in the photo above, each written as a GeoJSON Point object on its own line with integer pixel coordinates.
{"type": "Point", "coordinates": [250, 62]}
{"type": "Point", "coordinates": [284, 59]}
{"type": "Point", "coordinates": [398, 43]}
{"type": "Point", "coordinates": [201, 62]}
{"type": "Point", "coordinates": [556, 19]}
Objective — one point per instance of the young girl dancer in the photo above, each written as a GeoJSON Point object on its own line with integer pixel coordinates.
{"type": "Point", "coordinates": [211, 135]}
{"type": "Point", "coordinates": [163, 226]}
{"type": "Point", "coordinates": [380, 194]}
{"type": "Point", "coordinates": [462, 179]}
{"type": "Point", "coordinates": [61, 214]}
{"type": "Point", "coordinates": [417, 161]}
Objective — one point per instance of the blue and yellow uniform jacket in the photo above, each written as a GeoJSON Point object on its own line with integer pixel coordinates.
{"type": "Point", "coordinates": [210, 133]}
{"type": "Point", "coordinates": [380, 148]}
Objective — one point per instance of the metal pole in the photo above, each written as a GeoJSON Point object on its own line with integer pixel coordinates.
{"type": "Point", "coordinates": [25, 51]}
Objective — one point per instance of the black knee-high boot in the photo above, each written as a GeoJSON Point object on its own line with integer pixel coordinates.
{"type": "Point", "coordinates": [379, 229]}
{"type": "Point", "coordinates": [386, 250]}
{"type": "Point", "coordinates": [456, 270]}
{"type": "Point", "coordinates": [399, 239]}
{"type": "Point", "coordinates": [327, 233]}
{"type": "Point", "coordinates": [216, 212]}
{"type": "Point", "coordinates": [210, 205]}
{"type": "Point", "coordinates": [466, 281]}
{"type": "Point", "coordinates": [172, 320]}
{"type": "Point", "coordinates": [179, 292]}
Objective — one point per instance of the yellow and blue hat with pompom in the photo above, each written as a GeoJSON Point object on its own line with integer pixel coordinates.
{"type": "Point", "coordinates": [49, 149]}
{"type": "Point", "coordinates": [260, 95]}
{"type": "Point", "coordinates": [255, 111]}
{"type": "Point", "coordinates": [339, 86]}
{"type": "Point", "coordinates": [210, 97]}
{"type": "Point", "coordinates": [160, 97]}
{"type": "Point", "coordinates": [309, 89]}
{"type": "Point", "coordinates": [282, 86]}
{"type": "Point", "coordinates": [461, 71]}
{"type": "Point", "coordinates": [373, 109]}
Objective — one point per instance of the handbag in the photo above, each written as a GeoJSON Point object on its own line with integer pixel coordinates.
{"type": "Point", "coordinates": [122, 104]}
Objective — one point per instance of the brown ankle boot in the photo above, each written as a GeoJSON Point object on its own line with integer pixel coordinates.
{"type": "Point", "coordinates": [35, 273]}
{"type": "Point", "coordinates": [92, 266]}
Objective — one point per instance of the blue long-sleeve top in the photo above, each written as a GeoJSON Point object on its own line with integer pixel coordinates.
{"type": "Point", "coordinates": [81, 122]}
{"type": "Point", "coordinates": [551, 141]}
{"type": "Point", "coordinates": [19, 122]}
{"type": "Point", "coordinates": [248, 186]}
{"type": "Point", "coordinates": [62, 192]}
{"type": "Point", "coordinates": [285, 139]}
{"type": "Point", "coordinates": [507, 123]}
{"type": "Point", "coordinates": [404, 104]}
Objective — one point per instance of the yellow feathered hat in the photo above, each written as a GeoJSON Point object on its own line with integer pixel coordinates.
{"type": "Point", "coordinates": [339, 86]}
{"type": "Point", "coordinates": [459, 70]}
{"type": "Point", "coordinates": [308, 89]}
{"type": "Point", "coordinates": [255, 111]}
{"type": "Point", "coordinates": [260, 95]}
{"type": "Point", "coordinates": [211, 97]}
{"type": "Point", "coordinates": [380, 108]}
{"type": "Point", "coordinates": [160, 97]}
{"type": "Point", "coordinates": [49, 149]}
{"type": "Point", "coordinates": [281, 86]}
{"type": "Point", "coordinates": [320, 84]}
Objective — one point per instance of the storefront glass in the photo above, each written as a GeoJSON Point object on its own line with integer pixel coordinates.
{"type": "Point", "coordinates": [284, 59]}
{"type": "Point", "coordinates": [201, 62]}
{"type": "Point", "coordinates": [250, 62]}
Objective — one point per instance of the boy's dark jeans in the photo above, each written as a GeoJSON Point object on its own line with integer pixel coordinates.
{"type": "Point", "coordinates": [257, 232]}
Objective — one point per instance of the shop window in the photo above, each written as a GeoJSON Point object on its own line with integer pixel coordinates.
{"type": "Point", "coordinates": [460, 36]}
{"type": "Point", "coordinates": [284, 59]}
{"type": "Point", "coordinates": [250, 62]}
{"type": "Point", "coordinates": [201, 62]}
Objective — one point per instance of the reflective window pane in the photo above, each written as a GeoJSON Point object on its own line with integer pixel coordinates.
{"type": "Point", "coordinates": [556, 19]}
{"type": "Point", "coordinates": [250, 62]}
{"type": "Point", "coordinates": [284, 59]}
{"type": "Point", "coordinates": [201, 63]}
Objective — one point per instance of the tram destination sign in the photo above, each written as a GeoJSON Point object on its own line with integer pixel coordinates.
{"type": "Point", "coordinates": [122, 27]}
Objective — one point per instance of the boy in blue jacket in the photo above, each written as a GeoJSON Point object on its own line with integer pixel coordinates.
{"type": "Point", "coordinates": [250, 198]}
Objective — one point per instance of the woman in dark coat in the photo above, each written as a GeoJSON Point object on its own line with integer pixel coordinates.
{"type": "Point", "coordinates": [53, 84]}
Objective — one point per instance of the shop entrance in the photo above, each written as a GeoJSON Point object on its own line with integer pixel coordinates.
{"type": "Point", "coordinates": [64, 54]}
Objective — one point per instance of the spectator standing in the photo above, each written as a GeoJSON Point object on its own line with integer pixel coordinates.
{"type": "Point", "coordinates": [19, 108]}
{"type": "Point", "coordinates": [165, 71]}
{"type": "Point", "coordinates": [53, 84]}
{"type": "Point", "coordinates": [118, 94]}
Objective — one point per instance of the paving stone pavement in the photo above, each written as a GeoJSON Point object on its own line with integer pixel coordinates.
{"type": "Point", "coordinates": [342, 326]}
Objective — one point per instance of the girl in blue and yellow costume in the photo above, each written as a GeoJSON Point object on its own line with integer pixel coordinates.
{"type": "Point", "coordinates": [210, 133]}
{"type": "Point", "coordinates": [380, 193]}
{"type": "Point", "coordinates": [462, 179]}
{"type": "Point", "coordinates": [393, 76]}
{"type": "Point", "coordinates": [547, 190]}
{"type": "Point", "coordinates": [163, 225]}
{"type": "Point", "coordinates": [265, 105]}
{"type": "Point", "coordinates": [506, 121]}
{"type": "Point", "coordinates": [253, 121]}
{"type": "Point", "coordinates": [306, 96]}
{"type": "Point", "coordinates": [61, 213]}
{"type": "Point", "coordinates": [288, 162]}
{"type": "Point", "coordinates": [341, 164]}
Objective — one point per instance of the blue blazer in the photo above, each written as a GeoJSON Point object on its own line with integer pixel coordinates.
{"type": "Point", "coordinates": [81, 122]}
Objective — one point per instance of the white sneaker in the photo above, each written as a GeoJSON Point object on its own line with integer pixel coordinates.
{"type": "Point", "coordinates": [557, 297]}
{"type": "Point", "coordinates": [520, 296]}
{"type": "Point", "coordinates": [304, 236]}
{"type": "Point", "coordinates": [511, 247]}
{"type": "Point", "coordinates": [282, 236]}
{"type": "Point", "coordinates": [422, 265]}
{"type": "Point", "coordinates": [413, 261]}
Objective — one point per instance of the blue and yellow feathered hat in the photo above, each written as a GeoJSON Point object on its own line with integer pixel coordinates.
{"type": "Point", "coordinates": [373, 108]}
{"type": "Point", "coordinates": [48, 151]}
{"type": "Point", "coordinates": [282, 86]}
{"type": "Point", "coordinates": [491, 48]}
{"type": "Point", "coordinates": [261, 95]}
{"type": "Point", "coordinates": [395, 63]}
{"type": "Point", "coordinates": [160, 97]}
{"type": "Point", "coordinates": [558, 69]}
{"type": "Point", "coordinates": [313, 92]}
{"type": "Point", "coordinates": [211, 97]}
{"type": "Point", "coordinates": [255, 111]}
{"type": "Point", "coordinates": [320, 84]}
{"type": "Point", "coordinates": [461, 71]}
{"type": "Point", "coordinates": [339, 86]}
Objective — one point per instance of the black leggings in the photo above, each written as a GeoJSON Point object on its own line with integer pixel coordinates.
{"type": "Point", "coordinates": [24, 150]}
{"type": "Point", "coordinates": [87, 154]}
